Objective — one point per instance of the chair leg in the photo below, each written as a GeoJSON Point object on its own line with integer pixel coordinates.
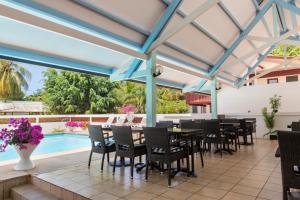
{"type": "Point", "coordinates": [131, 167]}
{"type": "Point", "coordinates": [114, 168]}
{"type": "Point", "coordinates": [90, 159]}
{"type": "Point", "coordinates": [147, 166]}
{"type": "Point", "coordinates": [251, 138]}
{"type": "Point", "coordinates": [235, 144]}
{"type": "Point", "coordinates": [102, 163]}
{"type": "Point", "coordinates": [188, 164]}
{"type": "Point", "coordinates": [169, 174]}
{"type": "Point", "coordinates": [107, 157]}
{"type": "Point", "coordinates": [178, 165]}
{"type": "Point", "coordinates": [201, 156]}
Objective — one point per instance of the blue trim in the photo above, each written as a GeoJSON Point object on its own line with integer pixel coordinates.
{"type": "Point", "coordinates": [290, 6]}
{"type": "Point", "coordinates": [281, 18]}
{"type": "Point", "coordinates": [199, 28]}
{"type": "Point", "coordinates": [230, 16]}
{"type": "Point", "coordinates": [226, 79]}
{"type": "Point", "coordinates": [49, 61]}
{"type": "Point", "coordinates": [260, 58]}
{"type": "Point", "coordinates": [293, 16]}
{"type": "Point", "coordinates": [205, 32]}
{"type": "Point", "coordinates": [36, 7]}
{"type": "Point", "coordinates": [187, 53]}
{"type": "Point", "coordinates": [195, 88]}
{"type": "Point", "coordinates": [194, 67]}
{"type": "Point", "coordinates": [159, 27]}
{"type": "Point", "coordinates": [168, 84]}
{"type": "Point", "coordinates": [112, 17]}
{"type": "Point", "coordinates": [242, 36]}
{"type": "Point", "coordinates": [214, 98]}
{"type": "Point", "coordinates": [263, 19]}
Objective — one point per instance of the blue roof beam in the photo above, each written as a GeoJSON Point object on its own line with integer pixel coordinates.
{"type": "Point", "coordinates": [27, 56]}
{"type": "Point", "coordinates": [241, 37]}
{"type": "Point", "coordinates": [59, 17]}
{"type": "Point", "coordinates": [112, 17]}
{"type": "Point", "coordinates": [159, 27]}
{"type": "Point", "coordinates": [289, 6]}
{"type": "Point", "coordinates": [241, 81]}
{"type": "Point", "coordinates": [282, 21]}
{"type": "Point", "coordinates": [263, 19]}
{"type": "Point", "coordinates": [194, 88]}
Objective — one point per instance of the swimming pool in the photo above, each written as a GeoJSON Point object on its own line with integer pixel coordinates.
{"type": "Point", "coordinates": [51, 144]}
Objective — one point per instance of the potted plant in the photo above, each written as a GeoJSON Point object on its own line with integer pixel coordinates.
{"type": "Point", "coordinates": [24, 137]}
{"type": "Point", "coordinates": [129, 109]}
{"type": "Point", "coordinates": [269, 118]}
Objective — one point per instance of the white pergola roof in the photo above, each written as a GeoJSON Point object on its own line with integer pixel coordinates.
{"type": "Point", "coordinates": [194, 39]}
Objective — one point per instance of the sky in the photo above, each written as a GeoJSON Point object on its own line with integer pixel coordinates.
{"type": "Point", "coordinates": [36, 81]}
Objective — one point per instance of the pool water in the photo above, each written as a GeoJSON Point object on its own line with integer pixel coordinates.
{"type": "Point", "coordinates": [54, 143]}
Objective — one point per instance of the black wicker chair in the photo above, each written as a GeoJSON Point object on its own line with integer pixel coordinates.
{"type": "Point", "coordinates": [125, 146]}
{"type": "Point", "coordinates": [160, 149]}
{"type": "Point", "coordinates": [231, 131]}
{"type": "Point", "coordinates": [198, 147]}
{"type": "Point", "coordinates": [295, 126]}
{"type": "Point", "coordinates": [245, 130]}
{"type": "Point", "coordinates": [164, 124]}
{"type": "Point", "coordinates": [213, 135]}
{"type": "Point", "coordinates": [290, 162]}
{"type": "Point", "coordinates": [100, 144]}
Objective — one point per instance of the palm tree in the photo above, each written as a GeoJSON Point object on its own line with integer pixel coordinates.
{"type": "Point", "coordinates": [133, 93]}
{"type": "Point", "coordinates": [13, 78]}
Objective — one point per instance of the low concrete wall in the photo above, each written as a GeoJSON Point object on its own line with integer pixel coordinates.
{"type": "Point", "coordinates": [52, 123]}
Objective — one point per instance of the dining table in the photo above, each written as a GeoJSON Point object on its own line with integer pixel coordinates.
{"type": "Point", "coordinates": [185, 134]}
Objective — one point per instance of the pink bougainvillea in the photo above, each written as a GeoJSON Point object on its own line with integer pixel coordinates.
{"type": "Point", "coordinates": [128, 108]}
{"type": "Point", "coordinates": [75, 124]}
{"type": "Point", "coordinates": [20, 132]}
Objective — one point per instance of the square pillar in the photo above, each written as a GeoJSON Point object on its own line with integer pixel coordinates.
{"type": "Point", "coordinates": [213, 95]}
{"type": "Point", "coordinates": [151, 91]}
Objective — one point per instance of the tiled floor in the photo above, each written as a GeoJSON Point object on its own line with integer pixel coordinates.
{"type": "Point", "coordinates": [251, 173]}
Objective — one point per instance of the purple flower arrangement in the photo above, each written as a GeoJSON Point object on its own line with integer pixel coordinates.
{"type": "Point", "coordinates": [19, 133]}
{"type": "Point", "coordinates": [74, 124]}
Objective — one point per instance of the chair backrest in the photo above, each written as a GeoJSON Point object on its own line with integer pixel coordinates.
{"type": "Point", "coordinates": [157, 138]}
{"type": "Point", "coordinates": [96, 134]}
{"type": "Point", "coordinates": [212, 127]}
{"type": "Point", "coordinates": [295, 126]}
{"type": "Point", "coordinates": [123, 137]}
{"type": "Point", "coordinates": [290, 158]}
{"type": "Point", "coordinates": [184, 121]}
{"type": "Point", "coordinates": [230, 120]}
{"type": "Point", "coordinates": [164, 124]}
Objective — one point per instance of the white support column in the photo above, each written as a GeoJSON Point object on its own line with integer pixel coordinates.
{"type": "Point", "coordinates": [213, 95]}
{"type": "Point", "coordinates": [151, 91]}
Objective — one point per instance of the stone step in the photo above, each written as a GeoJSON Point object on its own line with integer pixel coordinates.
{"type": "Point", "coordinates": [30, 192]}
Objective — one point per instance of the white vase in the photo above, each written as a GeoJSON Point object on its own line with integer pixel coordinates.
{"type": "Point", "coordinates": [130, 117]}
{"type": "Point", "coordinates": [25, 162]}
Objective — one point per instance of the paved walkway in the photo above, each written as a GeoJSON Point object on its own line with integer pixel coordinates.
{"type": "Point", "coordinates": [251, 173]}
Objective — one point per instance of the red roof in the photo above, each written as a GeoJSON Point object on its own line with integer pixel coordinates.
{"type": "Point", "coordinates": [197, 99]}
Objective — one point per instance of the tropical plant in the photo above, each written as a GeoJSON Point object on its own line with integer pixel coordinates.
{"type": "Point", "coordinates": [21, 132]}
{"type": "Point", "coordinates": [168, 100]}
{"type": "Point", "coordinates": [131, 93]}
{"type": "Point", "coordinates": [13, 78]}
{"type": "Point", "coordinates": [269, 118]}
{"type": "Point", "coordinates": [282, 50]}
{"type": "Point", "coordinates": [72, 92]}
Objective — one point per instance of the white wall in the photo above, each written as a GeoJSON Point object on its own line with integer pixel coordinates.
{"type": "Point", "coordinates": [254, 98]}
{"type": "Point", "coordinates": [247, 102]}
